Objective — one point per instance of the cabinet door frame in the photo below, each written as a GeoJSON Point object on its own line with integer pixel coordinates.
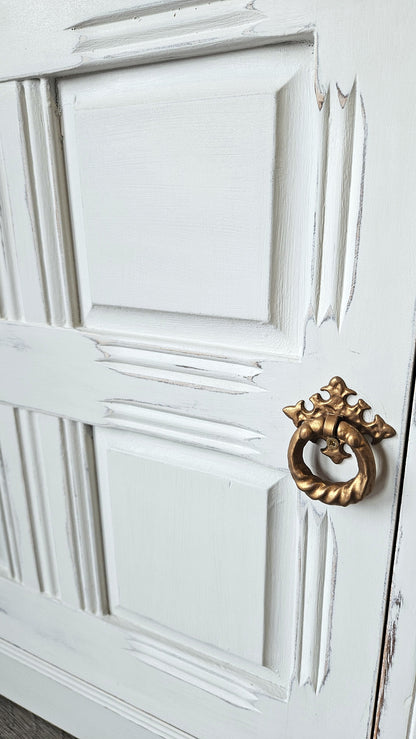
{"type": "Point", "coordinates": [395, 712]}
{"type": "Point", "coordinates": [59, 44]}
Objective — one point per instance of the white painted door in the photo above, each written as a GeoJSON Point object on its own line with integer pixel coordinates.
{"type": "Point", "coordinates": [206, 213]}
{"type": "Point", "coordinates": [396, 705]}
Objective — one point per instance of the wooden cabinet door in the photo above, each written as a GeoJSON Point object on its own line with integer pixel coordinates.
{"type": "Point", "coordinates": [206, 214]}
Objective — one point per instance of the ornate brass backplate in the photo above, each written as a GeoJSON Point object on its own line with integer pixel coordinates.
{"type": "Point", "coordinates": [338, 423]}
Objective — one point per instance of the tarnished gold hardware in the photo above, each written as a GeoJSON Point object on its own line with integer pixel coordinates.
{"type": "Point", "coordinates": [338, 423]}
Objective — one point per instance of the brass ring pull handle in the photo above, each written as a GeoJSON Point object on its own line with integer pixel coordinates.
{"type": "Point", "coordinates": [338, 423]}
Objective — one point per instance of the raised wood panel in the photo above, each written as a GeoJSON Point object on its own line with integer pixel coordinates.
{"type": "Point", "coordinates": [313, 159]}
{"type": "Point", "coordinates": [190, 228]}
{"type": "Point", "coordinates": [189, 533]}
{"type": "Point", "coordinates": [185, 536]}
{"type": "Point", "coordinates": [203, 155]}
{"type": "Point", "coordinates": [206, 531]}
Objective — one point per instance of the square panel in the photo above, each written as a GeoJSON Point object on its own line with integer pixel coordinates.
{"type": "Point", "coordinates": [185, 540]}
{"type": "Point", "coordinates": [172, 172]}
{"type": "Point", "coordinates": [177, 204]}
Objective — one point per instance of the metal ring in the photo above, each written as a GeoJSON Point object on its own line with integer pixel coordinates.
{"type": "Point", "coordinates": [333, 493]}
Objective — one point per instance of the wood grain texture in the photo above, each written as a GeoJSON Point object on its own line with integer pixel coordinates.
{"type": "Point", "coordinates": [16, 723]}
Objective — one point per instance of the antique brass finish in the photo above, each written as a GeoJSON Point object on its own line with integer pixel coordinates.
{"type": "Point", "coordinates": [338, 423]}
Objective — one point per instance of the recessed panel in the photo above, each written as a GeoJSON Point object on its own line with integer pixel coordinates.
{"type": "Point", "coordinates": [185, 547]}
{"type": "Point", "coordinates": [171, 176]}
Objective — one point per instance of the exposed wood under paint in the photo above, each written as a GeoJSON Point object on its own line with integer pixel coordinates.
{"type": "Point", "coordinates": [196, 383]}
{"type": "Point", "coordinates": [15, 723]}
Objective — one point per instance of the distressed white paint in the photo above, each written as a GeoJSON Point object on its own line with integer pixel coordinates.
{"type": "Point", "coordinates": [38, 283]}
{"type": "Point", "coordinates": [49, 507]}
{"type": "Point", "coordinates": [396, 709]}
{"type": "Point", "coordinates": [199, 366]}
{"type": "Point", "coordinates": [339, 211]}
{"type": "Point", "coordinates": [317, 580]}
